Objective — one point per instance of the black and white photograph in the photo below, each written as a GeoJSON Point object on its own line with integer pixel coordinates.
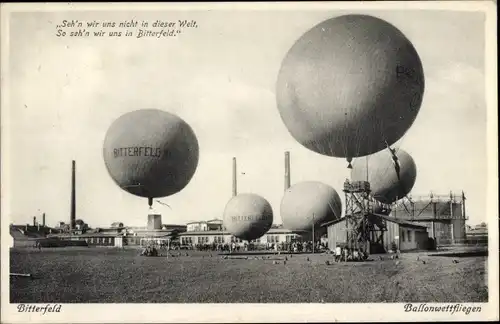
{"type": "Point", "coordinates": [243, 162]}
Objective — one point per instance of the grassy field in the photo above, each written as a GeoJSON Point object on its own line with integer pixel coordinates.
{"type": "Point", "coordinates": [100, 275]}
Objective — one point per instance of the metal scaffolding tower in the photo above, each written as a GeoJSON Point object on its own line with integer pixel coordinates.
{"type": "Point", "coordinates": [358, 209]}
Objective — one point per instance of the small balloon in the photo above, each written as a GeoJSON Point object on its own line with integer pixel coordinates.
{"type": "Point", "coordinates": [390, 180]}
{"type": "Point", "coordinates": [248, 216]}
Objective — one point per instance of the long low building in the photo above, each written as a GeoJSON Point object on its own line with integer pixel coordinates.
{"type": "Point", "coordinates": [273, 236]}
{"type": "Point", "coordinates": [388, 233]}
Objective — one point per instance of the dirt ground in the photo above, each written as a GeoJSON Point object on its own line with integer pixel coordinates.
{"type": "Point", "coordinates": [100, 275]}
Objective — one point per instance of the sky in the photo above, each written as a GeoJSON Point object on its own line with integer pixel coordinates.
{"type": "Point", "coordinates": [220, 78]}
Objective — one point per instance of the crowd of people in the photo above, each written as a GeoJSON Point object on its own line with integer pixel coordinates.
{"type": "Point", "coordinates": [295, 247]}
{"type": "Point", "coordinates": [150, 250]}
{"type": "Point", "coordinates": [342, 254]}
{"type": "Point", "coordinates": [349, 254]}
{"type": "Point", "coordinates": [284, 247]}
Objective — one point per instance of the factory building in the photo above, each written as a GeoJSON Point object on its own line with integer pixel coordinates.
{"type": "Point", "coordinates": [443, 215]}
{"type": "Point", "coordinates": [389, 234]}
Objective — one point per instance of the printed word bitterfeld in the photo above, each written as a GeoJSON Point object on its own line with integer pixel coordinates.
{"type": "Point", "coordinates": [158, 34]}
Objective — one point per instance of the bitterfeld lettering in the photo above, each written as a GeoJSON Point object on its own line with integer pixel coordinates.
{"type": "Point", "coordinates": [158, 34]}
{"type": "Point", "coordinates": [249, 218]}
{"type": "Point", "coordinates": [24, 308]}
{"type": "Point", "coordinates": [137, 151]}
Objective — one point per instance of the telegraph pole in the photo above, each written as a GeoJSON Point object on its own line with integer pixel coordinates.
{"type": "Point", "coordinates": [313, 234]}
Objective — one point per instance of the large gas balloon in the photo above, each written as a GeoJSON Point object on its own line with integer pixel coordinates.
{"type": "Point", "coordinates": [350, 86]}
{"type": "Point", "coordinates": [151, 153]}
{"type": "Point", "coordinates": [309, 202]}
{"type": "Point", "coordinates": [391, 176]}
{"type": "Point", "coordinates": [248, 216]}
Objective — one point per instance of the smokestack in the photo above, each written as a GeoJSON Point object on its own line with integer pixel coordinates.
{"type": "Point", "coordinates": [287, 170]}
{"type": "Point", "coordinates": [154, 222]}
{"type": "Point", "coordinates": [34, 220]}
{"type": "Point", "coordinates": [43, 219]}
{"type": "Point", "coordinates": [235, 185]}
{"type": "Point", "coordinates": [73, 196]}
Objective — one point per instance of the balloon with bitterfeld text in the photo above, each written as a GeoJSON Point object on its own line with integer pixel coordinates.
{"type": "Point", "coordinates": [151, 153]}
{"type": "Point", "coordinates": [248, 216]}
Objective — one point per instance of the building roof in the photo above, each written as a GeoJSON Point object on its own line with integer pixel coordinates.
{"type": "Point", "coordinates": [399, 221]}
{"type": "Point", "coordinates": [477, 231]}
{"type": "Point", "coordinates": [198, 222]}
{"type": "Point", "coordinates": [152, 234]}
{"type": "Point", "coordinates": [208, 233]}
{"type": "Point", "coordinates": [189, 233]}
{"type": "Point", "coordinates": [105, 234]}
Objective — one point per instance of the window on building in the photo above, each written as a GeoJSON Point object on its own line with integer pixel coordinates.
{"type": "Point", "coordinates": [409, 236]}
{"type": "Point", "coordinates": [272, 239]}
{"type": "Point", "coordinates": [202, 239]}
{"type": "Point", "coordinates": [235, 240]}
{"type": "Point", "coordinates": [402, 236]}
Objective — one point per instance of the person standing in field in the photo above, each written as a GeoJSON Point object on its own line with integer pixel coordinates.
{"type": "Point", "coordinates": [338, 253]}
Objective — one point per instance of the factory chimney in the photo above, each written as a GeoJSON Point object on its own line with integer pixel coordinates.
{"type": "Point", "coordinates": [43, 219]}
{"type": "Point", "coordinates": [73, 197]}
{"type": "Point", "coordinates": [34, 220]}
{"type": "Point", "coordinates": [235, 187]}
{"type": "Point", "coordinates": [287, 170]}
